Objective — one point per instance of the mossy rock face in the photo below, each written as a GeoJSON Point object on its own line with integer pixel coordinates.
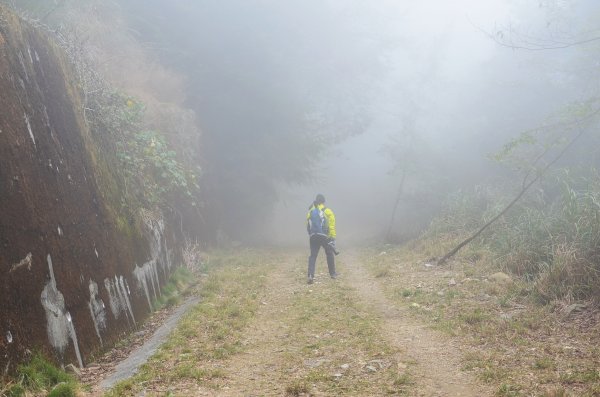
{"type": "Point", "coordinates": [61, 218]}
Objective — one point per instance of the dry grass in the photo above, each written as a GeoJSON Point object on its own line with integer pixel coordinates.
{"type": "Point", "coordinates": [518, 346]}
{"type": "Point", "coordinates": [337, 335]}
{"type": "Point", "coordinates": [285, 338]}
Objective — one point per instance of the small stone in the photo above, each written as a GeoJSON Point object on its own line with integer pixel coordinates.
{"type": "Point", "coordinates": [371, 368]}
{"type": "Point", "coordinates": [440, 293]}
{"type": "Point", "coordinates": [314, 363]}
{"type": "Point", "coordinates": [507, 316]}
{"type": "Point", "coordinates": [345, 366]}
{"type": "Point", "coordinates": [469, 280]}
{"type": "Point", "coordinates": [415, 305]}
{"type": "Point", "coordinates": [382, 253]}
{"type": "Point", "coordinates": [380, 363]}
{"type": "Point", "coordinates": [501, 278]}
{"type": "Point", "coordinates": [338, 375]}
{"type": "Point", "coordinates": [429, 265]}
{"type": "Point", "coordinates": [484, 297]}
{"type": "Point", "coordinates": [452, 282]}
{"type": "Point", "coordinates": [574, 308]}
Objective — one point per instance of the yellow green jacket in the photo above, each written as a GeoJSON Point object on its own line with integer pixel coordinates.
{"type": "Point", "coordinates": [328, 215]}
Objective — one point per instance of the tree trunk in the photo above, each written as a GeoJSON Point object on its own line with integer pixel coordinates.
{"type": "Point", "coordinates": [388, 235]}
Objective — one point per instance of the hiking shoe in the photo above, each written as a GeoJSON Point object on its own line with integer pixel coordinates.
{"type": "Point", "coordinates": [310, 280]}
{"type": "Point", "coordinates": [334, 276]}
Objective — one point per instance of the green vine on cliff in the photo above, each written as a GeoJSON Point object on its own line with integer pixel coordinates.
{"type": "Point", "coordinates": [151, 171]}
{"type": "Point", "coordinates": [149, 164]}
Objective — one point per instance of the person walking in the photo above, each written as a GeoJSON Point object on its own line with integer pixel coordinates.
{"type": "Point", "coordinates": [320, 224]}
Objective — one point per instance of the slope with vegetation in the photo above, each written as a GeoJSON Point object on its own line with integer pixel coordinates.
{"type": "Point", "coordinates": [89, 208]}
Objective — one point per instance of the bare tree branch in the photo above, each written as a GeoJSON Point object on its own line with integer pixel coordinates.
{"type": "Point", "coordinates": [533, 46]}
{"type": "Point", "coordinates": [524, 190]}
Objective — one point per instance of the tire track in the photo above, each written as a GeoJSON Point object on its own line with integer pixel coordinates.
{"type": "Point", "coordinates": [438, 359]}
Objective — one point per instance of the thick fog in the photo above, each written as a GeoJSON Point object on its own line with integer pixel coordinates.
{"type": "Point", "coordinates": [458, 95]}
{"type": "Point", "coordinates": [428, 89]}
{"type": "Point", "coordinates": [369, 103]}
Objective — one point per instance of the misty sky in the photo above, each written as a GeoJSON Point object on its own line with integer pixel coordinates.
{"type": "Point", "coordinates": [470, 95]}
{"type": "Point", "coordinates": [378, 75]}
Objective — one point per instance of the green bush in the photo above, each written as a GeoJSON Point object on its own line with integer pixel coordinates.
{"type": "Point", "coordinates": [152, 171]}
{"type": "Point", "coordinates": [550, 239]}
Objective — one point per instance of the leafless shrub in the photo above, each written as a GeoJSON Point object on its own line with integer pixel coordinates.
{"type": "Point", "coordinates": [193, 257]}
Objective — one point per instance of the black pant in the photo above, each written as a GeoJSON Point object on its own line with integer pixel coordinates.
{"type": "Point", "coordinates": [316, 242]}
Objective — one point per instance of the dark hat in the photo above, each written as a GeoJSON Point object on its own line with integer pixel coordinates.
{"type": "Point", "coordinates": [320, 199]}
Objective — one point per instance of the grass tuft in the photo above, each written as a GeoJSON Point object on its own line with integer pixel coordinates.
{"type": "Point", "coordinates": [172, 292]}
{"type": "Point", "coordinates": [39, 375]}
{"type": "Point", "coordinates": [297, 388]}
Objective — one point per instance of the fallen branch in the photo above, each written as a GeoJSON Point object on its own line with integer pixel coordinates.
{"type": "Point", "coordinates": [524, 190]}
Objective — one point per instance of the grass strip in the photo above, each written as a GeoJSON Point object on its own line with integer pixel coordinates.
{"type": "Point", "coordinates": [210, 332]}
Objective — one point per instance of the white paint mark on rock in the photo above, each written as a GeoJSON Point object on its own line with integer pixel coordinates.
{"type": "Point", "coordinates": [29, 129]}
{"type": "Point", "coordinates": [123, 288]}
{"type": "Point", "coordinates": [119, 298]}
{"type": "Point", "coordinates": [9, 337]}
{"type": "Point", "coordinates": [54, 305]}
{"type": "Point", "coordinates": [97, 311]}
{"type": "Point", "coordinates": [60, 232]}
{"type": "Point", "coordinates": [24, 262]}
{"type": "Point", "coordinates": [158, 250]}
{"type": "Point", "coordinates": [60, 325]}
{"type": "Point", "coordinates": [22, 62]}
{"type": "Point", "coordinates": [147, 277]}
{"type": "Point", "coordinates": [115, 305]}
{"type": "Point", "coordinates": [73, 336]}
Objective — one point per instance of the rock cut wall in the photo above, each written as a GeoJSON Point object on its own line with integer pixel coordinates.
{"type": "Point", "coordinates": [71, 278]}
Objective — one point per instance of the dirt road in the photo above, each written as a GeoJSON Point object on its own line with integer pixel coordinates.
{"type": "Point", "coordinates": [438, 359]}
{"type": "Point", "coordinates": [335, 337]}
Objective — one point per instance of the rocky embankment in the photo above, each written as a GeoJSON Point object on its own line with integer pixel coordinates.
{"type": "Point", "coordinates": [76, 274]}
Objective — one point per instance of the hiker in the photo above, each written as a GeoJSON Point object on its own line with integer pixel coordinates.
{"type": "Point", "coordinates": [320, 224]}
